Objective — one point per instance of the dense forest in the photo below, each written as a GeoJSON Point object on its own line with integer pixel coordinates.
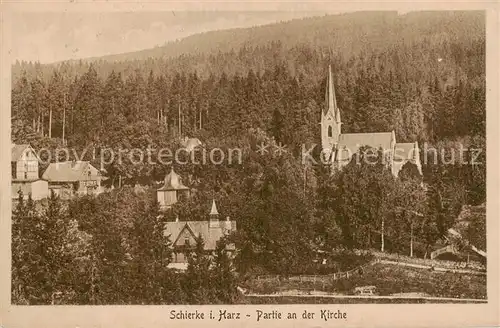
{"type": "Point", "coordinates": [420, 74]}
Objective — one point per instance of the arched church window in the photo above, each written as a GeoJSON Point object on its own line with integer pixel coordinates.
{"type": "Point", "coordinates": [330, 133]}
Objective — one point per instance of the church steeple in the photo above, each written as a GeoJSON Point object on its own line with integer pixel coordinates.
{"type": "Point", "coordinates": [330, 118]}
{"type": "Point", "coordinates": [331, 98]}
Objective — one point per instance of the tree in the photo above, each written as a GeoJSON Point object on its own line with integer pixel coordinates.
{"type": "Point", "coordinates": [150, 254]}
{"type": "Point", "coordinates": [198, 280]}
{"type": "Point", "coordinates": [363, 197]}
{"type": "Point", "coordinates": [49, 254]}
{"type": "Point", "coordinates": [23, 261]}
{"type": "Point", "coordinates": [409, 203]}
{"type": "Point", "coordinates": [224, 275]}
{"type": "Point", "coordinates": [88, 109]}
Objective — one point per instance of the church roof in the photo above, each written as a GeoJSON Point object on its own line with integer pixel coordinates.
{"type": "Point", "coordinates": [405, 151]}
{"type": "Point", "coordinates": [173, 182]}
{"type": "Point", "coordinates": [349, 143]}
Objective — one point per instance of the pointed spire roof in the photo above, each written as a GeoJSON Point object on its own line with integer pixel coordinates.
{"type": "Point", "coordinates": [330, 97]}
{"type": "Point", "coordinates": [214, 211]}
{"type": "Point", "coordinates": [173, 182]}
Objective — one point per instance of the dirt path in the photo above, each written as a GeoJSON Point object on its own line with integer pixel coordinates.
{"type": "Point", "coordinates": [441, 299]}
{"type": "Point", "coordinates": [419, 266]}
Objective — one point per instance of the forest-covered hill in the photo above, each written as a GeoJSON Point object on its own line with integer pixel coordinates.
{"type": "Point", "coordinates": [346, 35]}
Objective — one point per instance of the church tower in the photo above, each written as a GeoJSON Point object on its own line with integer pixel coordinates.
{"type": "Point", "coordinates": [330, 118]}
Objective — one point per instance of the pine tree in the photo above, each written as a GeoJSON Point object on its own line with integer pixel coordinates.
{"type": "Point", "coordinates": [198, 281]}
{"type": "Point", "coordinates": [23, 220]}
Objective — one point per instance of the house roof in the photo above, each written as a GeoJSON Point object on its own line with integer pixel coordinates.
{"type": "Point", "coordinates": [349, 143]}
{"type": "Point", "coordinates": [209, 234]}
{"type": "Point", "coordinates": [173, 181]}
{"type": "Point", "coordinates": [17, 151]}
{"type": "Point", "coordinates": [214, 211]}
{"type": "Point", "coordinates": [71, 171]}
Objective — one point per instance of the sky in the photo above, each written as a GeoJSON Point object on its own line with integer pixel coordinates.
{"type": "Point", "coordinates": [54, 36]}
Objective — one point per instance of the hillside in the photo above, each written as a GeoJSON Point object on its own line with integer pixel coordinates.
{"type": "Point", "coordinates": [389, 280]}
{"type": "Point", "coordinates": [345, 35]}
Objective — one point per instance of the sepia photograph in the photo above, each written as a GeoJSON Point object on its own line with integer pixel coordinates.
{"type": "Point", "coordinates": [248, 158]}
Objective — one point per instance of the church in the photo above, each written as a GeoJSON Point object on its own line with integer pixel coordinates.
{"type": "Point", "coordinates": [339, 147]}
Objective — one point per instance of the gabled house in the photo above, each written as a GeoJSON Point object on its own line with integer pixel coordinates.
{"type": "Point", "coordinates": [71, 178]}
{"type": "Point", "coordinates": [184, 234]}
{"type": "Point", "coordinates": [24, 173]}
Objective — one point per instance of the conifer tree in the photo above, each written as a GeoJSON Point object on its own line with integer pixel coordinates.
{"type": "Point", "coordinates": [224, 278]}
{"type": "Point", "coordinates": [198, 280]}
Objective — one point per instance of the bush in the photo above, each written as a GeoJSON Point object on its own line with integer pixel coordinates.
{"type": "Point", "coordinates": [345, 286]}
{"type": "Point", "coordinates": [346, 260]}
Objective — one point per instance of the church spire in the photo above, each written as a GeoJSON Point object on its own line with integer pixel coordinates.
{"type": "Point", "coordinates": [330, 120]}
{"type": "Point", "coordinates": [331, 98]}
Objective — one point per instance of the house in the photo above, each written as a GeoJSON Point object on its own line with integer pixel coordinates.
{"type": "Point", "coordinates": [71, 178]}
{"type": "Point", "coordinates": [24, 173]}
{"type": "Point", "coordinates": [340, 147]}
{"type": "Point", "coordinates": [172, 190]}
{"type": "Point", "coordinates": [184, 234]}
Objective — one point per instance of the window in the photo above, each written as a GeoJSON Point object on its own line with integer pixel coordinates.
{"type": "Point", "coordinates": [186, 241]}
{"type": "Point", "coordinates": [330, 133]}
{"type": "Point", "coordinates": [32, 167]}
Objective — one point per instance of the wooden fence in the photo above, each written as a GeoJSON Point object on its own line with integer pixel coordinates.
{"type": "Point", "coordinates": [317, 278]}
{"type": "Point", "coordinates": [462, 268]}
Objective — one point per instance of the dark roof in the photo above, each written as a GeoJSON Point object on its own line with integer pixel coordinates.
{"type": "Point", "coordinates": [173, 181]}
{"type": "Point", "coordinates": [17, 151]}
{"type": "Point", "coordinates": [71, 171]}
{"type": "Point", "coordinates": [209, 234]}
